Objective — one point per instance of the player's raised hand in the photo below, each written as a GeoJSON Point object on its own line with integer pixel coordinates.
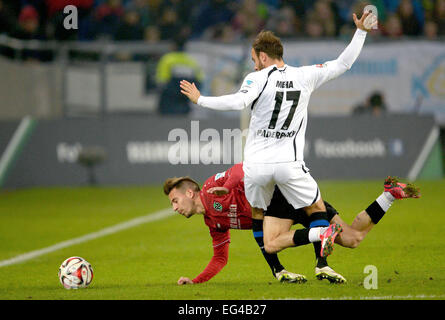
{"type": "Point", "coordinates": [219, 191]}
{"type": "Point", "coordinates": [366, 22]}
{"type": "Point", "coordinates": [189, 89]}
{"type": "Point", "coordinates": [184, 280]}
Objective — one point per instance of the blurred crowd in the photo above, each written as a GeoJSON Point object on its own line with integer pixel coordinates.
{"type": "Point", "coordinates": [215, 20]}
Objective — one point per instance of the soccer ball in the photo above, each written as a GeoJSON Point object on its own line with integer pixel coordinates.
{"type": "Point", "coordinates": [75, 272]}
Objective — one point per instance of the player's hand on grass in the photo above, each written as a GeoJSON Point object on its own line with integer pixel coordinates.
{"type": "Point", "coordinates": [184, 280]}
{"type": "Point", "coordinates": [190, 91]}
{"type": "Point", "coordinates": [219, 191]}
{"type": "Point", "coordinates": [366, 22]}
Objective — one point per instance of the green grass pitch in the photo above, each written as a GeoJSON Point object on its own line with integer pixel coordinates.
{"type": "Point", "coordinates": [144, 262]}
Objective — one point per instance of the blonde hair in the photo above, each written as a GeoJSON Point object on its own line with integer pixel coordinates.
{"type": "Point", "coordinates": [181, 183]}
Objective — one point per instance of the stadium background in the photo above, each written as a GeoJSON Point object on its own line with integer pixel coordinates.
{"type": "Point", "coordinates": [92, 106]}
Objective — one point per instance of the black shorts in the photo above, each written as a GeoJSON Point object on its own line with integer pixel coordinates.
{"type": "Point", "coordinates": [280, 208]}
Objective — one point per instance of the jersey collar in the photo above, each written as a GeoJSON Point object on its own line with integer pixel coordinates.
{"type": "Point", "coordinates": [282, 68]}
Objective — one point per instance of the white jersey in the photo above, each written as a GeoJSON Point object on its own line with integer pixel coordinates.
{"type": "Point", "coordinates": [279, 98]}
{"type": "Point", "coordinates": [279, 113]}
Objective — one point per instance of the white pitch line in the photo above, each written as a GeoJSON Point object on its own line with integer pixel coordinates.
{"type": "Point", "coordinates": [162, 214]}
{"type": "Point", "coordinates": [13, 144]}
{"type": "Point", "coordinates": [423, 155]}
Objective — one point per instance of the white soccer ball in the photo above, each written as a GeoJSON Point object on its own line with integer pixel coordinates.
{"type": "Point", "coordinates": [370, 22]}
{"type": "Point", "coordinates": [75, 272]}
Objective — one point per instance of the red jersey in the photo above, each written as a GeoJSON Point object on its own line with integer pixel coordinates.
{"type": "Point", "coordinates": [230, 211]}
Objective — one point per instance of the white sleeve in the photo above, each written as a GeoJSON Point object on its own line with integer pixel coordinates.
{"type": "Point", "coordinates": [319, 74]}
{"type": "Point", "coordinates": [223, 103]}
{"type": "Point", "coordinates": [248, 92]}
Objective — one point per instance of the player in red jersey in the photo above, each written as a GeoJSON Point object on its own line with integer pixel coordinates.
{"type": "Point", "coordinates": [221, 213]}
{"type": "Point", "coordinates": [224, 206]}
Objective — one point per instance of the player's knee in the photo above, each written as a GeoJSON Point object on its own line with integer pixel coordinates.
{"type": "Point", "coordinates": [270, 248]}
{"type": "Point", "coordinates": [356, 240]}
{"type": "Point", "coordinates": [353, 244]}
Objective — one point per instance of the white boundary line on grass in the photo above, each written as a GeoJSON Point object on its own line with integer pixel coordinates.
{"type": "Point", "coordinates": [162, 214]}
{"type": "Point", "coordinates": [423, 155]}
{"type": "Point", "coordinates": [11, 148]}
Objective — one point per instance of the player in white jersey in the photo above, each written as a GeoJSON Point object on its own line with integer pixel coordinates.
{"type": "Point", "coordinates": [278, 95]}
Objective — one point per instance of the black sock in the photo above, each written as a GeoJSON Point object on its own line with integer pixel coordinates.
{"type": "Point", "coordinates": [321, 262]}
{"type": "Point", "coordinates": [301, 237]}
{"type": "Point", "coordinates": [271, 258]}
{"type": "Point", "coordinates": [319, 219]}
{"type": "Point", "coordinates": [375, 212]}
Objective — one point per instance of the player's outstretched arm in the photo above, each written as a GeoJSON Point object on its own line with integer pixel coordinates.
{"type": "Point", "coordinates": [332, 69]}
{"type": "Point", "coordinates": [352, 51]}
{"type": "Point", "coordinates": [366, 22]}
{"type": "Point", "coordinates": [184, 280]}
{"type": "Point", "coordinates": [230, 102]}
{"type": "Point", "coordinates": [220, 258]}
{"type": "Point", "coordinates": [190, 91]}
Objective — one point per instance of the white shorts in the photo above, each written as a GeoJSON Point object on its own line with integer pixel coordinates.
{"type": "Point", "coordinates": [292, 178]}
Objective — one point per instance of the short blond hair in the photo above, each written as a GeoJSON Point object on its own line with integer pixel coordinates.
{"type": "Point", "coordinates": [181, 183]}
